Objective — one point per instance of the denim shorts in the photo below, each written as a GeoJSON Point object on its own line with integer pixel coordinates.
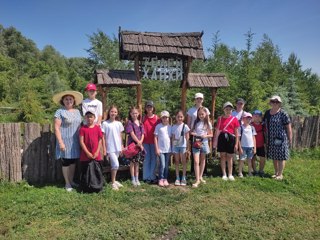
{"type": "Point", "coordinates": [247, 153]}
{"type": "Point", "coordinates": [204, 149]}
{"type": "Point", "coordinates": [178, 149]}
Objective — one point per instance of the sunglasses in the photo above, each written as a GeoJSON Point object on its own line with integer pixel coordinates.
{"type": "Point", "coordinates": [274, 101]}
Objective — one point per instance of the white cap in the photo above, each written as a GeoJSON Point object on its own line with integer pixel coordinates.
{"type": "Point", "coordinates": [275, 98]}
{"type": "Point", "coordinates": [164, 114]}
{"type": "Point", "coordinates": [198, 95]}
{"type": "Point", "coordinates": [227, 104]}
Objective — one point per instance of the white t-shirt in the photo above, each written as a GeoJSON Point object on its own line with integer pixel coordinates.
{"type": "Point", "coordinates": [112, 132]}
{"type": "Point", "coordinates": [192, 113]}
{"type": "Point", "coordinates": [163, 132]}
{"type": "Point", "coordinates": [247, 134]}
{"type": "Point", "coordinates": [176, 133]}
{"type": "Point", "coordinates": [236, 114]}
{"type": "Point", "coordinates": [94, 106]}
{"type": "Point", "coordinates": [200, 130]}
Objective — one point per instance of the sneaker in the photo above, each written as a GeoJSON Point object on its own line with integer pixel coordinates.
{"type": "Point", "coordinates": [74, 185]}
{"type": "Point", "coordinates": [250, 174]}
{"type": "Point", "coordinates": [165, 183]}
{"type": "Point", "coordinates": [231, 178]}
{"type": "Point", "coordinates": [177, 182]}
{"type": "Point", "coordinates": [261, 174]}
{"type": "Point", "coordinates": [240, 175]}
{"type": "Point", "coordinates": [134, 183]}
{"type": "Point", "coordinates": [225, 178]}
{"type": "Point", "coordinates": [160, 183]}
{"type": "Point", "coordinates": [114, 186]}
{"type": "Point", "coordinates": [274, 176]}
{"type": "Point", "coordinates": [138, 183]}
{"type": "Point", "coordinates": [280, 177]}
{"type": "Point", "coordinates": [118, 184]}
{"type": "Point", "coordinates": [203, 181]}
{"type": "Point", "coordinates": [68, 188]}
{"type": "Point", "coordinates": [183, 182]}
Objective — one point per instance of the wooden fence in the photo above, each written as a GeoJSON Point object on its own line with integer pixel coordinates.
{"type": "Point", "coordinates": [27, 151]}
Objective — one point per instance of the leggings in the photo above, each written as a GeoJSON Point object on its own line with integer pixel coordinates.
{"type": "Point", "coordinates": [114, 160]}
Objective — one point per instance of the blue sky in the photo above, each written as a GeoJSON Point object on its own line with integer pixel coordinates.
{"type": "Point", "coordinates": [293, 25]}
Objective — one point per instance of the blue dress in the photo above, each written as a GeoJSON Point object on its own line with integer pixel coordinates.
{"type": "Point", "coordinates": [278, 144]}
{"type": "Point", "coordinates": [70, 125]}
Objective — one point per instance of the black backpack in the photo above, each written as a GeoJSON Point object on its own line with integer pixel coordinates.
{"type": "Point", "coordinates": [92, 179]}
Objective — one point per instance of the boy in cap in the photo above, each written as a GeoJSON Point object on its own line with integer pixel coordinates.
{"type": "Point", "coordinates": [92, 104]}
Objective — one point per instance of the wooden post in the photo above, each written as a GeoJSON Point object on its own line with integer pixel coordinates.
{"type": "Point", "coordinates": [138, 87]}
{"type": "Point", "coordinates": [213, 103]}
{"type": "Point", "coordinates": [186, 69]}
{"type": "Point", "coordinates": [103, 91]}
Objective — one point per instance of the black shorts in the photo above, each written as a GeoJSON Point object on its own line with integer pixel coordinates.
{"type": "Point", "coordinates": [68, 161]}
{"type": "Point", "coordinates": [226, 143]}
{"type": "Point", "coordinates": [261, 152]}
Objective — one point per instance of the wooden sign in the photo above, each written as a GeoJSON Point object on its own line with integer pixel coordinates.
{"type": "Point", "coordinates": [162, 69]}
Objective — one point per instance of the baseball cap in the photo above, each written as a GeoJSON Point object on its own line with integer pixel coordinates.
{"type": "Point", "coordinates": [275, 98]}
{"type": "Point", "coordinates": [91, 86]}
{"type": "Point", "coordinates": [227, 104]}
{"type": "Point", "coordinates": [257, 112]}
{"type": "Point", "coordinates": [149, 103]}
{"type": "Point", "coordinates": [246, 114]}
{"type": "Point", "coordinates": [198, 95]}
{"type": "Point", "coordinates": [88, 113]}
{"type": "Point", "coordinates": [164, 114]}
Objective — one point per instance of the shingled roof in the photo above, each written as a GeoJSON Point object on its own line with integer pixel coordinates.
{"type": "Point", "coordinates": [211, 80]}
{"type": "Point", "coordinates": [119, 78]}
{"type": "Point", "coordinates": [170, 44]}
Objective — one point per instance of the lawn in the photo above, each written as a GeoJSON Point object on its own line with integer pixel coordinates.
{"type": "Point", "coordinates": [249, 208]}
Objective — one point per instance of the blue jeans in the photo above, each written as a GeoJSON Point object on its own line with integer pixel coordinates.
{"type": "Point", "coordinates": [149, 163]}
{"type": "Point", "coordinates": [164, 165]}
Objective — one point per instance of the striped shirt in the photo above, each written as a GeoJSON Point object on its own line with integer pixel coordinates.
{"type": "Point", "coordinates": [70, 124]}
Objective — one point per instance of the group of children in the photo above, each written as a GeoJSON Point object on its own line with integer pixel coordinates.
{"type": "Point", "coordinates": [156, 136]}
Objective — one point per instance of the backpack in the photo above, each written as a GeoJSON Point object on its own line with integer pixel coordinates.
{"type": "Point", "coordinates": [92, 179]}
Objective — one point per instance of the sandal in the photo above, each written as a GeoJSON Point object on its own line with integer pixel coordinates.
{"type": "Point", "coordinates": [196, 184]}
{"type": "Point", "coordinates": [203, 181]}
{"type": "Point", "coordinates": [279, 177]}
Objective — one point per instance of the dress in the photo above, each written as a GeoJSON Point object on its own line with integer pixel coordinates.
{"type": "Point", "coordinates": [70, 124]}
{"type": "Point", "coordinates": [278, 147]}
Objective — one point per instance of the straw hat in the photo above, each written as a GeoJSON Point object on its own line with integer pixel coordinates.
{"type": "Point", "coordinates": [78, 97]}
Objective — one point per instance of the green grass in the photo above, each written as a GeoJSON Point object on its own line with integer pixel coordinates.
{"type": "Point", "coordinates": [249, 208]}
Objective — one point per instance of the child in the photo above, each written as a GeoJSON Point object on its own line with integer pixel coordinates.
{"type": "Point", "coordinates": [113, 143]}
{"type": "Point", "coordinates": [260, 129]}
{"type": "Point", "coordinates": [134, 129]}
{"type": "Point", "coordinates": [201, 131]}
{"type": "Point", "coordinates": [149, 120]}
{"type": "Point", "coordinates": [90, 140]}
{"type": "Point", "coordinates": [162, 143]}
{"type": "Point", "coordinates": [92, 104]}
{"type": "Point", "coordinates": [180, 134]}
{"type": "Point", "coordinates": [247, 143]}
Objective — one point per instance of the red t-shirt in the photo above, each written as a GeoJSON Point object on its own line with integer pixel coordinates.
{"type": "Point", "coordinates": [91, 137]}
{"type": "Point", "coordinates": [149, 125]}
{"type": "Point", "coordinates": [222, 122]}
{"type": "Point", "coordinates": [260, 136]}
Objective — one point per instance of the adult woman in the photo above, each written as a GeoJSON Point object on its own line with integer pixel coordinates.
{"type": "Point", "coordinates": [149, 121]}
{"type": "Point", "coordinates": [191, 118]}
{"type": "Point", "coordinates": [227, 139]}
{"type": "Point", "coordinates": [279, 135]}
{"type": "Point", "coordinates": [67, 121]}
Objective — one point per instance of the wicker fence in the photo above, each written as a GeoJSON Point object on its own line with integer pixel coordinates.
{"type": "Point", "coordinates": [27, 150]}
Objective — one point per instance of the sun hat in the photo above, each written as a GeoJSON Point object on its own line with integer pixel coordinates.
{"type": "Point", "coordinates": [164, 114]}
{"type": "Point", "coordinates": [149, 103]}
{"type": "Point", "coordinates": [198, 95]}
{"type": "Point", "coordinates": [78, 97]}
{"type": "Point", "coordinates": [257, 112]}
{"type": "Point", "coordinates": [246, 114]}
{"type": "Point", "coordinates": [275, 98]}
{"type": "Point", "coordinates": [241, 100]}
{"type": "Point", "coordinates": [227, 104]}
{"type": "Point", "coordinates": [91, 86]}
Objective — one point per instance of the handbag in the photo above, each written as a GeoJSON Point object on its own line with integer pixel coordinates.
{"type": "Point", "coordinates": [131, 150]}
{"type": "Point", "coordinates": [197, 142]}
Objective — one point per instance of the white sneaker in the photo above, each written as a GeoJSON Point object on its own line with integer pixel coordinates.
{"type": "Point", "coordinates": [114, 186]}
{"type": "Point", "coordinates": [225, 178]}
{"type": "Point", "coordinates": [231, 178]}
{"type": "Point", "coordinates": [68, 188]}
{"type": "Point", "coordinates": [134, 183]}
{"type": "Point", "coordinates": [138, 183]}
{"type": "Point", "coordinates": [118, 184]}
{"type": "Point", "coordinates": [240, 175]}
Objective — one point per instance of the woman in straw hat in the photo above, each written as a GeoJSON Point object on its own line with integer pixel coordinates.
{"type": "Point", "coordinates": [67, 121]}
